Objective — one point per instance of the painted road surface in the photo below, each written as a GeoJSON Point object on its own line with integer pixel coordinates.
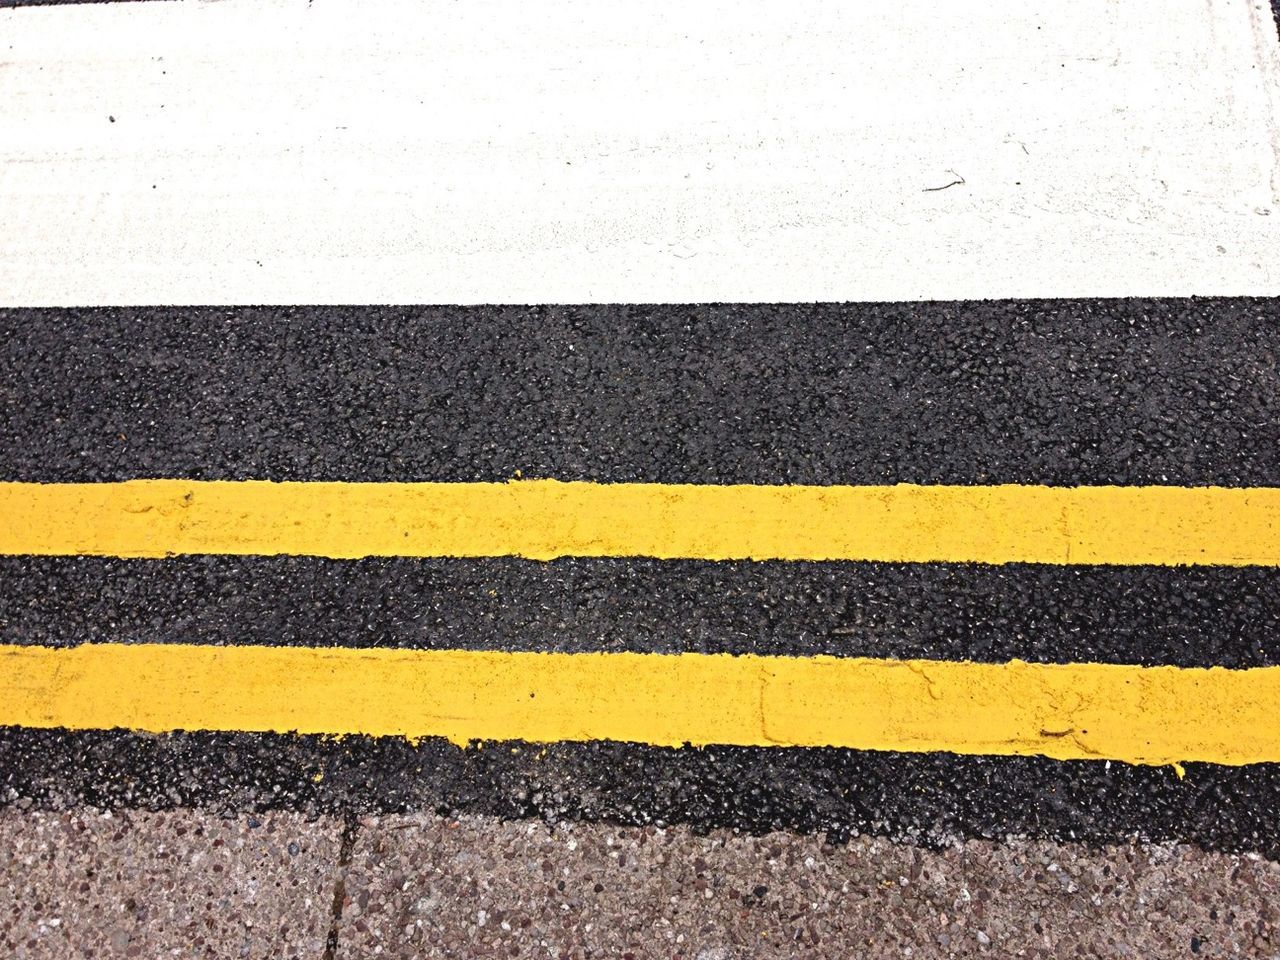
{"type": "Point", "coordinates": [845, 522]}
{"type": "Point", "coordinates": [263, 151]}
{"type": "Point", "coordinates": [936, 573]}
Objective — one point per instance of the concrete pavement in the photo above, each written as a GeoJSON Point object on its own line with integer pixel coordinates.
{"type": "Point", "coordinates": [86, 883]}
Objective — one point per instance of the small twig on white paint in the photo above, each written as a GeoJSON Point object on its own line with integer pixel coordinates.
{"type": "Point", "coordinates": [957, 182]}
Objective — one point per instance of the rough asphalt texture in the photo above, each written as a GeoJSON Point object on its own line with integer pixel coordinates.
{"type": "Point", "coordinates": [1065, 392]}
{"type": "Point", "coordinates": [1059, 392]}
{"type": "Point", "coordinates": [1199, 616]}
{"type": "Point", "coordinates": [929, 799]}
{"type": "Point", "coordinates": [148, 885]}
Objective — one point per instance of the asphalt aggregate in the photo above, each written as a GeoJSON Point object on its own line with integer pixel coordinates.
{"type": "Point", "coordinates": [1042, 391]}
{"type": "Point", "coordinates": [1171, 391]}
{"type": "Point", "coordinates": [1192, 617]}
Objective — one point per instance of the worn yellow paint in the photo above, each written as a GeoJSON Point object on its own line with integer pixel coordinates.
{"type": "Point", "coordinates": [1148, 715]}
{"type": "Point", "coordinates": [542, 519]}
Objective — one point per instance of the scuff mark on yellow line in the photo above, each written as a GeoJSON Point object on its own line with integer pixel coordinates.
{"type": "Point", "coordinates": [1140, 715]}
{"type": "Point", "coordinates": [544, 519]}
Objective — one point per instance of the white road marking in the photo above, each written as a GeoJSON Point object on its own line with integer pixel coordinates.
{"type": "Point", "coordinates": [351, 151]}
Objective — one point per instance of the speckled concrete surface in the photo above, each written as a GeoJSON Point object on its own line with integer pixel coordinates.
{"type": "Point", "coordinates": [182, 883]}
{"type": "Point", "coordinates": [193, 884]}
{"type": "Point", "coordinates": [421, 886]}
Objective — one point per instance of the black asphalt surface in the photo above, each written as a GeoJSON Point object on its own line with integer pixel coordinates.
{"type": "Point", "coordinates": [1061, 392]}
{"type": "Point", "coordinates": [1127, 392]}
{"type": "Point", "coordinates": [931, 799]}
{"type": "Point", "coordinates": [1199, 616]}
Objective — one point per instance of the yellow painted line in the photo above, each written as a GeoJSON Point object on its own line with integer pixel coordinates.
{"type": "Point", "coordinates": [1148, 715]}
{"type": "Point", "coordinates": [543, 519]}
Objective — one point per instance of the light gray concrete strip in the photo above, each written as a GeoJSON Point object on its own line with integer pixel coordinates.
{"type": "Point", "coordinates": [150, 885]}
{"type": "Point", "coordinates": [421, 886]}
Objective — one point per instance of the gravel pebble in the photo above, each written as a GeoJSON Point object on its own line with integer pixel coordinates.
{"type": "Point", "coordinates": [593, 890]}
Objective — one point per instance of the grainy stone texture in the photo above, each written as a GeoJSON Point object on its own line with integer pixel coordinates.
{"type": "Point", "coordinates": [149, 885]}
{"type": "Point", "coordinates": [421, 886]}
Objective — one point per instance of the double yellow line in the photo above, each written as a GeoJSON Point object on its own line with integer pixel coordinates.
{"type": "Point", "coordinates": [1077, 711]}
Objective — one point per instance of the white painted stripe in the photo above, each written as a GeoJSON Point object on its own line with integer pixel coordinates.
{"type": "Point", "coordinates": [507, 151]}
